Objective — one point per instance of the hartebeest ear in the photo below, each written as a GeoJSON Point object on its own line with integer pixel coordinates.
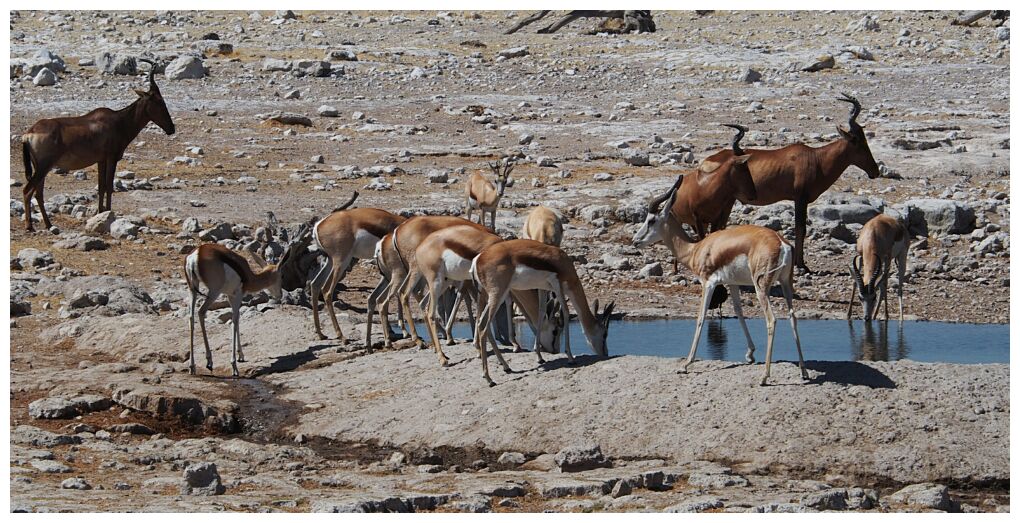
{"type": "Point", "coordinates": [740, 160]}
{"type": "Point", "coordinates": [846, 134]}
{"type": "Point", "coordinates": [141, 93]}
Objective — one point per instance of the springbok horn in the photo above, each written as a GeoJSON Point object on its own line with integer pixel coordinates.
{"type": "Point", "coordinates": [855, 271]}
{"type": "Point", "coordinates": [655, 203]}
{"type": "Point", "coordinates": [737, 151]}
{"type": "Point", "coordinates": [507, 167]}
{"type": "Point", "coordinates": [152, 70]}
{"type": "Point", "coordinates": [876, 275]}
{"type": "Point", "coordinates": [348, 204]}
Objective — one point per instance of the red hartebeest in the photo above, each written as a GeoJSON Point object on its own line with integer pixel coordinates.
{"type": "Point", "coordinates": [801, 173]}
{"type": "Point", "coordinates": [98, 137]}
{"type": "Point", "coordinates": [706, 197]}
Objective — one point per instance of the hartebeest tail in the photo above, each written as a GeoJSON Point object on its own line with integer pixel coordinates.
{"type": "Point", "coordinates": [97, 138]}
{"type": "Point", "coordinates": [801, 174]}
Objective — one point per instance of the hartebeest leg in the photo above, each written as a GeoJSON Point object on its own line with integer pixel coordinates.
{"type": "Point", "coordinates": [800, 232]}
{"type": "Point", "coordinates": [706, 298]}
{"type": "Point", "coordinates": [111, 172]}
{"type": "Point", "coordinates": [788, 296]}
{"type": "Point", "coordinates": [735, 298]}
{"type": "Point", "coordinates": [101, 186]}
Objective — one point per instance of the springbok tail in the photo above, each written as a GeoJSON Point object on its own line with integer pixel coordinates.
{"type": "Point", "coordinates": [191, 273]}
{"type": "Point", "coordinates": [26, 156]}
{"type": "Point", "coordinates": [396, 250]}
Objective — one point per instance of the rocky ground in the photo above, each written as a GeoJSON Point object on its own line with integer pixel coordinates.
{"type": "Point", "coordinates": [402, 107]}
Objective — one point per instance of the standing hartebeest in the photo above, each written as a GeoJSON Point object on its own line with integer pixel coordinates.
{"type": "Point", "coordinates": [706, 198]}
{"type": "Point", "coordinates": [742, 255]}
{"type": "Point", "coordinates": [98, 137]}
{"type": "Point", "coordinates": [801, 173]}
{"type": "Point", "coordinates": [882, 240]}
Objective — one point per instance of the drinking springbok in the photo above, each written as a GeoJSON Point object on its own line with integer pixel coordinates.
{"type": "Point", "coordinates": [544, 225]}
{"type": "Point", "coordinates": [742, 255]}
{"type": "Point", "coordinates": [882, 240]}
{"type": "Point", "coordinates": [223, 271]}
{"type": "Point", "coordinates": [801, 173]}
{"type": "Point", "coordinates": [521, 265]}
{"type": "Point", "coordinates": [444, 259]}
{"type": "Point", "coordinates": [706, 198]}
{"type": "Point", "coordinates": [481, 194]}
{"type": "Point", "coordinates": [99, 137]}
{"type": "Point", "coordinates": [344, 236]}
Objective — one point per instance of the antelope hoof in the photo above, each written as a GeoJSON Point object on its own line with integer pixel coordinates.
{"type": "Point", "coordinates": [241, 359]}
{"type": "Point", "coordinates": [209, 365]}
{"type": "Point", "coordinates": [804, 376]}
{"type": "Point", "coordinates": [322, 336]}
{"type": "Point", "coordinates": [491, 383]}
{"type": "Point", "coordinates": [764, 381]}
{"type": "Point", "coordinates": [749, 357]}
{"type": "Point", "coordinates": [192, 370]}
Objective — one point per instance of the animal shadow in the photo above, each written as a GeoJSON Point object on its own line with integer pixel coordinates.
{"type": "Point", "coordinates": [849, 373]}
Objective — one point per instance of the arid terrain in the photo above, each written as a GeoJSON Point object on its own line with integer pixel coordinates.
{"type": "Point", "coordinates": [403, 107]}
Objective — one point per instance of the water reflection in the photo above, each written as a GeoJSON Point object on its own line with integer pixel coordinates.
{"type": "Point", "coordinates": [716, 340]}
{"type": "Point", "coordinates": [873, 343]}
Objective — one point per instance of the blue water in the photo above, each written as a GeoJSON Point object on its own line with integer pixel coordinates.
{"type": "Point", "coordinates": [826, 340]}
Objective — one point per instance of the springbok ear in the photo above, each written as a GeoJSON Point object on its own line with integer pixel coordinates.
{"type": "Point", "coordinates": [596, 306]}
{"type": "Point", "coordinates": [609, 311]}
{"type": "Point", "coordinates": [740, 160]}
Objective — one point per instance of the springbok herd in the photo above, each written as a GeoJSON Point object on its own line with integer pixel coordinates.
{"type": "Point", "coordinates": [427, 255]}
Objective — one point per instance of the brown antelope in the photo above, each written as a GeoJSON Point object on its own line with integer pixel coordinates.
{"type": "Point", "coordinates": [343, 236]}
{"type": "Point", "coordinates": [544, 225]}
{"type": "Point", "coordinates": [705, 199]}
{"type": "Point", "coordinates": [98, 137]}
{"type": "Point", "coordinates": [481, 194]}
{"type": "Point", "coordinates": [521, 265]}
{"type": "Point", "coordinates": [742, 255]}
{"type": "Point", "coordinates": [882, 240]}
{"type": "Point", "coordinates": [801, 173]}
{"type": "Point", "coordinates": [225, 272]}
{"type": "Point", "coordinates": [406, 239]}
{"type": "Point", "coordinates": [444, 258]}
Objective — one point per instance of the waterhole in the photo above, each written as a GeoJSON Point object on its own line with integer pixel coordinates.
{"type": "Point", "coordinates": [825, 340]}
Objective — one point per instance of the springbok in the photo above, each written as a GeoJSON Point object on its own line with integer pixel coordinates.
{"type": "Point", "coordinates": [706, 198]}
{"type": "Point", "coordinates": [343, 236]}
{"type": "Point", "coordinates": [801, 173]}
{"type": "Point", "coordinates": [406, 239]}
{"type": "Point", "coordinates": [444, 259]}
{"type": "Point", "coordinates": [225, 272]}
{"type": "Point", "coordinates": [481, 194]}
{"type": "Point", "coordinates": [99, 137]}
{"type": "Point", "coordinates": [521, 265]}
{"type": "Point", "coordinates": [544, 225]}
{"type": "Point", "coordinates": [742, 255]}
{"type": "Point", "coordinates": [882, 240]}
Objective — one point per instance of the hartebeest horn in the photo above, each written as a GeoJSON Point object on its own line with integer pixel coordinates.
{"type": "Point", "coordinates": [655, 203]}
{"type": "Point", "coordinates": [152, 71]}
{"type": "Point", "coordinates": [737, 151]}
{"type": "Point", "coordinates": [854, 111]}
{"type": "Point", "coordinates": [348, 204]}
